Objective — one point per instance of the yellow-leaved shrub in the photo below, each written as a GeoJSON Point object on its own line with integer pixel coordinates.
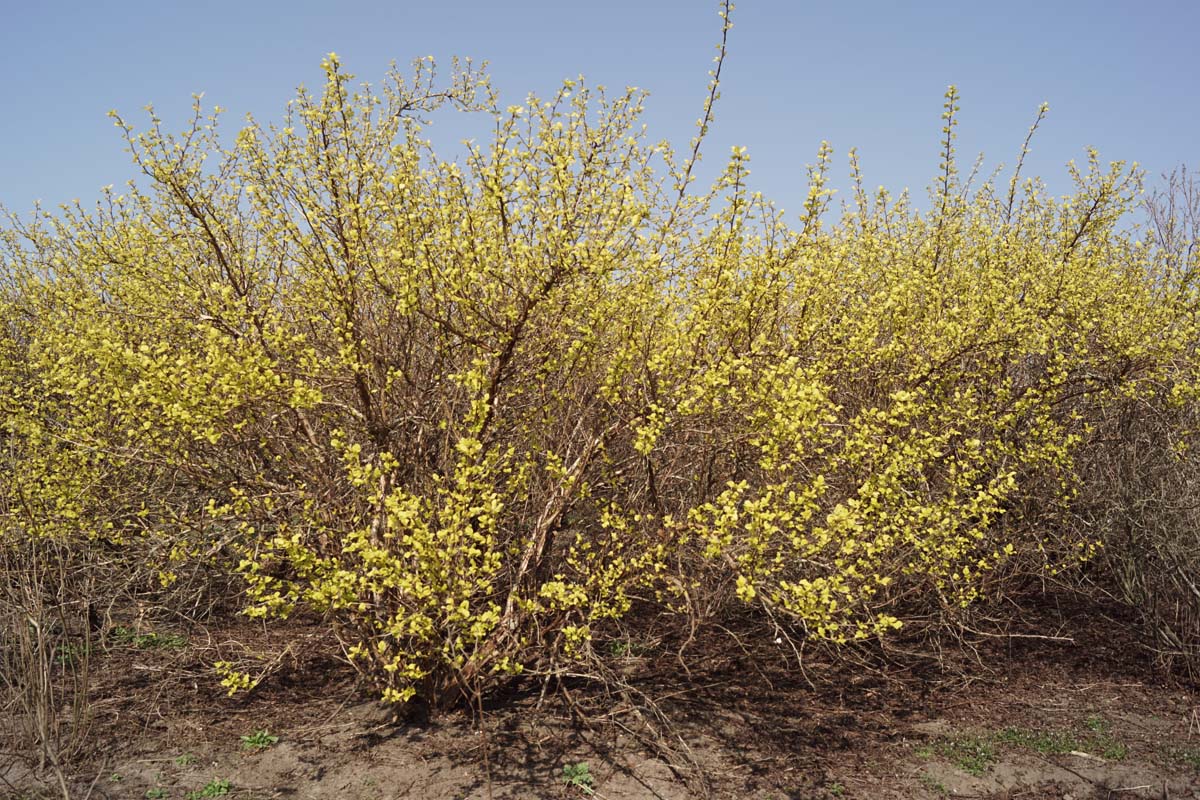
{"type": "Point", "coordinates": [477, 413]}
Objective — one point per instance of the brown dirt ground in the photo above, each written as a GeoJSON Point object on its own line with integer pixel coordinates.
{"type": "Point", "coordinates": [1025, 718]}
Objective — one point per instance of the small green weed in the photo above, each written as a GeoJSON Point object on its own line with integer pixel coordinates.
{"type": "Point", "coordinates": [69, 653]}
{"type": "Point", "coordinates": [932, 784]}
{"type": "Point", "coordinates": [1108, 748]}
{"type": "Point", "coordinates": [1101, 741]}
{"type": "Point", "coordinates": [971, 754]}
{"type": "Point", "coordinates": [1060, 742]}
{"type": "Point", "coordinates": [184, 760]}
{"type": "Point", "coordinates": [580, 776]}
{"type": "Point", "coordinates": [1189, 756]}
{"type": "Point", "coordinates": [836, 789]}
{"type": "Point", "coordinates": [1048, 743]}
{"type": "Point", "coordinates": [157, 793]}
{"type": "Point", "coordinates": [215, 788]}
{"type": "Point", "coordinates": [148, 641]}
{"type": "Point", "coordinates": [619, 648]}
{"type": "Point", "coordinates": [625, 648]}
{"type": "Point", "coordinates": [259, 740]}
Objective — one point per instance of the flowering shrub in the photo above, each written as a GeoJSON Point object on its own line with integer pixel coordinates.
{"type": "Point", "coordinates": [471, 412]}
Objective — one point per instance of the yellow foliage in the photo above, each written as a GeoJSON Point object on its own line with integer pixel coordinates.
{"type": "Point", "coordinates": [473, 413]}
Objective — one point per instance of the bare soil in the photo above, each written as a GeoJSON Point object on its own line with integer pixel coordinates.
{"type": "Point", "coordinates": [1080, 716]}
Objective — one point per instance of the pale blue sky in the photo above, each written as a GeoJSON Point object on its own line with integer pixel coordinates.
{"type": "Point", "coordinates": [1118, 75]}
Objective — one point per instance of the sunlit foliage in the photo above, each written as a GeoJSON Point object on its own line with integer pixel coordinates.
{"type": "Point", "coordinates": [476, 413]}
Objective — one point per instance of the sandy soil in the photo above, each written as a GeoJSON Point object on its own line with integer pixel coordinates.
{"type": "Point", "coordinates": [1023, 718]}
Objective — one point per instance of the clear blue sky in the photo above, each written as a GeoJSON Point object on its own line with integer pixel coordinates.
{"type": "Point", "coordinates": [1121, 76]}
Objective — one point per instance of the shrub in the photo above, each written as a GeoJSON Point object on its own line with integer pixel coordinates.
{"type": "Point", "coordinates": [1140, 467]}
{"type": "Point", "coordinates": [472, 412]}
